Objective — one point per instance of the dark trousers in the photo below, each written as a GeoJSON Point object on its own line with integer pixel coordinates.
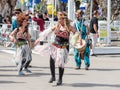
{"type": "Point", "coordinates": [24, 64]}
{"type": "Point", "coordinates": [52, 69]}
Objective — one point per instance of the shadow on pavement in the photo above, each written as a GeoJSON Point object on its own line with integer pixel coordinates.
{"type": "Point", "coordinates": [4, 82]}
{"type": "Point", "coordinates": [36, 74]}
{"type": "Point", "coordinates": [7, 70]}
{"type": "Point", "coordinates": [8, 75]}
{"type": "Point", "coordinates": [48, 67]}
{"type": "Point", "coordinates": [91, 85]}
{"type": "Point", "coordinates": [74, 74]}
{"type": "Point", "coordinates": [107, 69]}
{"type": "Point", "coordinates": [7, 66]}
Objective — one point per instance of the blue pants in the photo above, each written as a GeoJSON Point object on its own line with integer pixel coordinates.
{"type": "Point", "coordinates": [86, 56]}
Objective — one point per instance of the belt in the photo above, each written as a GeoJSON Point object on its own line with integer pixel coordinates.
{"type": "Point", "coordinates": [20, 43]}
{"type": "Point", "coordinates": [58, 46]}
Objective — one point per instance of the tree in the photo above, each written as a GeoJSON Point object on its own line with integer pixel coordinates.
{"type": "Point", "coordinates": [6, 7]}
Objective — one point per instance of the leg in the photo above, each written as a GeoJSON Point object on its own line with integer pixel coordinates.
{"type": "Point", "coordinates": [94, 41]}
{"type": "Point", "coordinates": [52, 70]}
{"type": "Point", "coordinates": [20, 67]}
{"type": "Point", "coordinates": [26, 66]}
{"type": "Point", "coordinates": [21, 60]}
{"type": "Point", "coordinates": [61, 72]}
{"type": "Point", "coordinates": [77, 58]}
{"type": "Point", "coordinates": [86, 57]}
{"type": "Point", "coordinates": [28, 59]}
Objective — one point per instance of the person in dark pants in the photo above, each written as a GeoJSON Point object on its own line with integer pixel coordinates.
{"type": "Point", "coordinates": [59, 48]}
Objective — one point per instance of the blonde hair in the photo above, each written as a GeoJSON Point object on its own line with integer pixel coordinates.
{"type": "Point", "coordinates": [66, 20]}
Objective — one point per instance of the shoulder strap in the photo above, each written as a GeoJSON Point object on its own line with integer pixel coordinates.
{"type": "Point", "coordinates": [80, 26]}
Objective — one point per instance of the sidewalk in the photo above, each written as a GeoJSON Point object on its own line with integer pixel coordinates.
{"type": "Point", "coordinates": [107, 50]}
{"type": "Point", "coordinates": [98, 50]}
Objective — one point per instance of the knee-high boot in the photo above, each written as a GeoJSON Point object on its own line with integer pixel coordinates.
{"type": "Point", "coordinates": [61, 72]}
{"type": "Point", "coordinates": [52, 70]}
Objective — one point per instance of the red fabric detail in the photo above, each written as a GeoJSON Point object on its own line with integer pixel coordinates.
{"type": "Point", "coordinates": [40, 22]}
{"type": "Point", "coordinates": [63, 34]}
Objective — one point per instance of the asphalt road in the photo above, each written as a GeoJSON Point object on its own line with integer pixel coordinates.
{"type": "Point", "coordinates": [104, 74]}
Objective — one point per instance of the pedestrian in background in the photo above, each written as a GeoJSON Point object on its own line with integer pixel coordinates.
{"type": "Point", "coordinates": [94, 30]}
{"type": "Point", "coordinates": [14, 19]}
{"type": "Point", "coordinates": [82, 26]}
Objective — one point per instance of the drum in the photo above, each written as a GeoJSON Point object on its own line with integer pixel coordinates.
{"type": "Point", "coordinates": [75, 42]}
{"type": "Point", "coordinates": [80, 48]}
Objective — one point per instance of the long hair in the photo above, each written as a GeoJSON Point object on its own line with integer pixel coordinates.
{"type": "Point", "coordinates": [66, 20]}
{"type": "Point", "coordinates": [20, 18]}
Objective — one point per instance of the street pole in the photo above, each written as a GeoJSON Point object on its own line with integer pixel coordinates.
{"type": "Point", "coordinates": [71, 9]}
{"type": "Point", "coordinates": [52, 13]}
{"type": "Point", "coordinates": [33, 6]}
{"type": "Point", "coordinates": [108, 22]}
{"type": "Point", "coordinates": [91, 6]}
{"type": "Point", "coordinates": [55, 4]}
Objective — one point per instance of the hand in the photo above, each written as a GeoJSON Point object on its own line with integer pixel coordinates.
{"type": "Point", "coordinates": [36, 42]}
{"type": "Point", "coordinates": [81, 42]}
{"type": "Point", "coordinates": [14, 41]}
{"type": "Point", "coordinates": [97, 35]}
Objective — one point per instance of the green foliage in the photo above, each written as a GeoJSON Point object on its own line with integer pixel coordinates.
{"type": "Point", "coordinates": [38, 7]}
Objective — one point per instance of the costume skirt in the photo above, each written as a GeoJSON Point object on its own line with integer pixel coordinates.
{"type": "Point", "coordinates": [60, 55]}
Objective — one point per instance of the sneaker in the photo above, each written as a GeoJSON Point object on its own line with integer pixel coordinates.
{"type": "Point", "coordinates": [20, 73]}
{"type": "Point", "coordinates": [77, 67]}
{"type": "Point", "coordinates": [87, 67]}
{"type": "Point", "coordinates": [27, 70]}
{"type": "Point", "coordinates": [91, 53]}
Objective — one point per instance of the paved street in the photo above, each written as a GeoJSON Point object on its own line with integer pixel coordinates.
{"type": "Point", "coordinates": [104, 74]}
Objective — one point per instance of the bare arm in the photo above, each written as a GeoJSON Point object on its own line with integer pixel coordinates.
{"type": "Point", "coordinates": [88, 28]}
{"type": "Point", "coordinates": [95, 28]}
{"type": "Point", "coordinates": [11, 36]}
{"type": "Point", "coordinates": [28, 39]}
{"type": "Point", "coordinates": [44, 34]}
{"type": "Point", "coordinates": [71, 28]}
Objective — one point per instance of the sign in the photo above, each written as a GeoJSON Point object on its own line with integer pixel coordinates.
{"type": "Point", "coordinates": [117, 25]}
{"type": "Point", "coordinates": [102, 31]}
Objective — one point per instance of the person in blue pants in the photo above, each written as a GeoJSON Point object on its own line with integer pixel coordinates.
{"type": "Point", "coordinates": [81, 26]}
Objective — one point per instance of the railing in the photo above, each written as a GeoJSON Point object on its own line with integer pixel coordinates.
{"type": "Point", "coordinates": [4, 33]}
{"type": "Point", "coordinates": [33, 30]}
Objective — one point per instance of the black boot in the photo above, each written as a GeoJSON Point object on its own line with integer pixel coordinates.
{"type": "Point", "coordinates": [52, 79]}
{"type": "Point", "coordinates": [52, 69]}
{"type": "Point", "coordinates": [61, 71]}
